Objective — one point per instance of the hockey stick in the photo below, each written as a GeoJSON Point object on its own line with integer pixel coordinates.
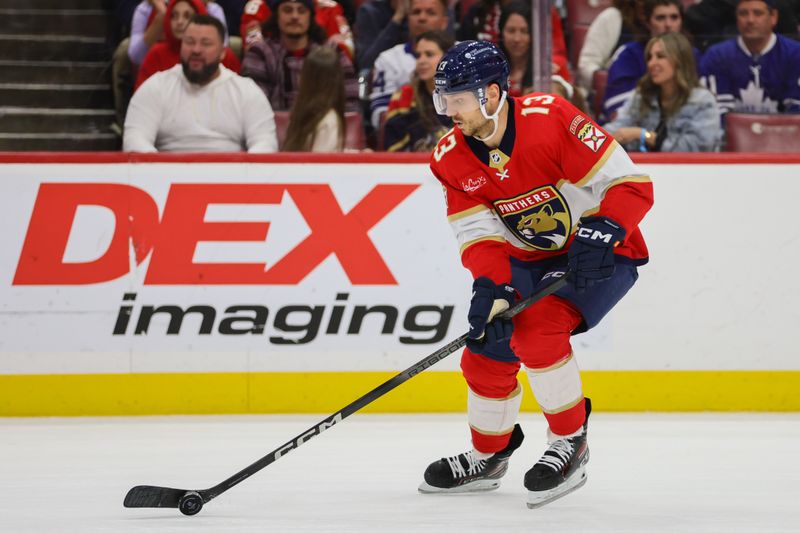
{"type": "Point", "coordinates": [190, 502]}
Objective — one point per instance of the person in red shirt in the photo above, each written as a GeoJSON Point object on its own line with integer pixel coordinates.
{"type": "Point", "coordinates": [167, 53]}
{"type": "Point", "coordinates": [329, 14]}
{"type": "Point", "coordinates": [535, 191]}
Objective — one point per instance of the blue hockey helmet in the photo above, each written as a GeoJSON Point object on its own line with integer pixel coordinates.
{"type": "Point", "coordinates": [470, 65]}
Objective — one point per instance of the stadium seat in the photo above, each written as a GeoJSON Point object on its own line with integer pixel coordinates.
{"type": "Point", "coordinates": [464, 7]}
{"type": "Point", "coordinates": [576, 39]}
{"type": "Point", "coordinates": [583, 12]}
{"type": "Point", "coordinates": [745, 132]}
{"type": "Point", "coordinates": [354, 131]}
{"type": "Point", "coordinates": [355, 139]}
{"type": "Point", "coordinates": [281, 125]}
{"type": "Point", "coordinates": [381, 131]}
{"type": "Point", "coordinates": [580, 14]}
{"type": "Point", "coordinates": [599, 81]}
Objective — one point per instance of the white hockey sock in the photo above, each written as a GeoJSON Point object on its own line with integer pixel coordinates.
{"type": "Point", "coordinates": [558, 387]}
{"type": "Point", "coordinates": [493, 416]}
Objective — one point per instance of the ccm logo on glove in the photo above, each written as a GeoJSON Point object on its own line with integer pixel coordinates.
{"type": "Point", "coordinates": [594, 235]}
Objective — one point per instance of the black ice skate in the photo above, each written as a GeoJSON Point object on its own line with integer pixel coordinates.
{"type": "Point", "coordinates": [466, 473]}
{"type": "Point", "coordinates": [562, 468]}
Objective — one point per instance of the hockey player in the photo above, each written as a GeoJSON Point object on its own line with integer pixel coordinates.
{"type": "Point", "coordinates": [533, 187]}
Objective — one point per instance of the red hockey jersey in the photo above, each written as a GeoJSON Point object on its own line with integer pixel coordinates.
{"type": "Point", "coordinates": [524, 199]}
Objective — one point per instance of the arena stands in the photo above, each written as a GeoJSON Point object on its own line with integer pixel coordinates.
{"type": "Point", "coordinates": [56, 58]}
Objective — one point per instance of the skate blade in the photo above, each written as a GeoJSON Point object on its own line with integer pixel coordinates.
{"type": "Point", "coordinates": [480, 485]}
{"type": "Point", "coordinates": [537, 499]}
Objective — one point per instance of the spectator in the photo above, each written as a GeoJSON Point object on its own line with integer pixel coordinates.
{"type": "Point", "coordinates": [412, 124]}
{"type": "Point", "coordinates": [515, 42]}
{"type": "Point", "coordinates": [394, 66]}
{"type": "Point", "coordinates": [669, 112]}
{"type": "Point", "coordinates": [233, 15]}
{"type": "Point", "coordinates": [167, 53]}
{"type": "Point", "coordinates": [380, 24]}
{"type": "Point", "coordinates": [200, 105]}
{"type": "Point", "coordinates": [328, 14]}
{"type": "Point", "coordinates": [481, 22]}
{"type": "Point", "coordinates": [316, 122]}
{"type": "Point", "coordinates": [613, 27]}
{"type": "Point", "coordinates": [712, 21]}
{"type": "Point", "coordinates": [123, 15]}
{"type": "Point", "coordinates": [147, 26]}
{"type": "Point", "coordinates": [628, 64]}
{"type": "Point", "coordinates": [758, 71]}
{"type": "Point", "coordinates": [275, 63]}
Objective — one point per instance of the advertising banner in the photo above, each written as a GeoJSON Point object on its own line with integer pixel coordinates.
{"type": "Point", "coordinates": [258, 267]}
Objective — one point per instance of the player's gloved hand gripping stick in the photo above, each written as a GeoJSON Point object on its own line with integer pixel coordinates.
{"type": "Point", "coordinates": [191, 501]}
{"type": "Point", "coordinates": [591, 254]}
{"type": "Point", "coordinates": [488, 334]}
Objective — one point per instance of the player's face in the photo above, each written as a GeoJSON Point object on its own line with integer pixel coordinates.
{"type": "Point", "coordinates": [472, 123]}
{"type": "Point", "coordinates": [665, 19]}
{"type": "Point", "coordinates": [517, 37]}
{"type": "Point", "coordinates": [294, 19]}
{"type": "Point", "coordinates": [428, 56]}
{"type": "Point", "coordinates": [755, 20]}
{"type": "Point", "coordinates": [467, 116]}
{"type": "Point", "coordinates": [425, 15]}
{"type": "Point", "coordinates": [201, 52]}
{"type": "Point", "coordinates": [181, 13]}
{"type": "Point", "coordinates": [659, 66]}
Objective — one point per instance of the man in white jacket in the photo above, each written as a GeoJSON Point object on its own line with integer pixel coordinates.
{"type": "Point", "coordinates": [199, 105]}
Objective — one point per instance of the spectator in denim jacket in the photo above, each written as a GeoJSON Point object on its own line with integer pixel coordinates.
{"type": "Point", "coordinates": [669, 112]}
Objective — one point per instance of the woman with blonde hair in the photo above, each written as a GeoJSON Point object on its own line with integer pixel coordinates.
{"type": "Point", "coordinates": [316, 121]}
{"type": "Point", "coordinates": [669, 111]}
{"type": "Point", "coordinates": [412, 124]}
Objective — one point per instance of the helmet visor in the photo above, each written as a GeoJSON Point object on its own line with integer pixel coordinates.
{"type": "Point", "coordinates": [454, 103]}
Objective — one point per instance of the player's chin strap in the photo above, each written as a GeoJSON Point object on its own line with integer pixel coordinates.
{"type": "Point", "coordinates": [495, 117]}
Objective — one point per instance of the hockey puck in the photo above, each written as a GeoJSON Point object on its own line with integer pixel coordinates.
{"type": "Point", "coordinates": [190, 503]}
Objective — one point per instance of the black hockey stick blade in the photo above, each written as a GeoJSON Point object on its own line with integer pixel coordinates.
{"type": "Point", "coordinates": [188, 501]}
{"type": "Point", "coordinates": [150, 496]}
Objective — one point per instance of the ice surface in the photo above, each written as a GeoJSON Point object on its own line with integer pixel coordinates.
{"type": "Point", "coordinates": [693, 473]}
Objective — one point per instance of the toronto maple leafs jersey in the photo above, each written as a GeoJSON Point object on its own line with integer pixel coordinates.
{"type": "Point", "coordinates": [392, 70]}
{"type": "Point", "coordinates": [768, 83]}
{"type": "Point", "coordinates": [524, 199]}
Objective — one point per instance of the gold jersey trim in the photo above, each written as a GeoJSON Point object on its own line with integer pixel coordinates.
{"type": "Point", "coordinates": [467, 212]}
{"type": "Point", "coordinates": [596, 168]}
{"type": "Point", "coordinates": [399, 144]}
{"type": "Point", "coordinates": [475, 241]}
{"type": "Point", "coordinates": [511, 396]}
{"type": "Point", "coordinates": [492, 433]}
{"type": "Point", "coordinates": [640, 178]}
{"type": "Point", "coordinates": [550, 368]}
{"type": "Point", "coordinates": [563, 408]}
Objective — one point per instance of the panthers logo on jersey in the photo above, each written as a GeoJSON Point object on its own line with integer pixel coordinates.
{"type": "Point", "coordinates": [539, 218]}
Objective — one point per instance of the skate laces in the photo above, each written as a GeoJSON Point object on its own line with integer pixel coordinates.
{"type": "Point", "coordinates": [558, 454]}
{"type": "Point", "coordinates": [473, 464]}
